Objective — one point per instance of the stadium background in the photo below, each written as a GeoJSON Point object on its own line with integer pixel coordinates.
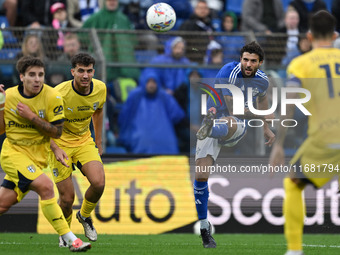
{"type": "Point", "coordinates": [152, 194]}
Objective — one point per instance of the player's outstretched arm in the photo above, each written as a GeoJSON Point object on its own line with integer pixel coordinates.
{"type": "Point", "coordinates": [2, 108]}
{"type": "Point", "coordinates": [97, 119]}
{"type": "Point", "coordinates": [42, 125]}
{"type": "Point", "coordinates": [277, 155]}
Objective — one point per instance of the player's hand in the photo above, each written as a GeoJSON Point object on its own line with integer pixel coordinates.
{"type": "Point", "coordinates": [269, 136]}
{"type": "Point", "coordinates": [213, 110]}
{"type": "Point", "coordinates": [60, 155]}
{"type": "Point", "coordinates": [25, 112]}
{"type": "Point", "coordinates": [277, 156]}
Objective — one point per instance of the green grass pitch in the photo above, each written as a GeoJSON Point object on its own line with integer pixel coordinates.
{"type": "Point", "coordinates": [174, 244]}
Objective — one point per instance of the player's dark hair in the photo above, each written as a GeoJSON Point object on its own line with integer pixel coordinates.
{"type": "Point", "coordinates": [322, 24]}
{"type": "Point", "coordinates": [253, 47]}
{"type": "Point", "coordinates": [83, 59]}
{"type": "Point", "coordinates": [28, 61]}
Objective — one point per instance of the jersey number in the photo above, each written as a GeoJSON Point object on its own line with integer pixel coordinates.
{"type": "Point", "coordinates": [329, 77]}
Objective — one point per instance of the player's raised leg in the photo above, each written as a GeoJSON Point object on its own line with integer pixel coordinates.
{"type": "Point", "coordinates": [293, 210]}
{"type": "Point", "coordinates": [94, 172]}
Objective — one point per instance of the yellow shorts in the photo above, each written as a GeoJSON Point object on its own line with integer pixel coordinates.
{"type": "Point", "coordinates": [77, 156]}
{"type": "Point", "coordinates": [20, 171]}
{"type": "Point", "coordinates": [316, 164]}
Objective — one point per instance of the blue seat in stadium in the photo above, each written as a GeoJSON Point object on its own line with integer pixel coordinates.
{"type": "Point", "coordinates": [7, 35]}
{"type": "Point", "coordinates": [234, 6]}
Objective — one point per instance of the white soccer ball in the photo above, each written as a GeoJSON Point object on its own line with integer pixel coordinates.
{"type": "Point", "coordinates": [161, 17]}
{"type": "Point", "coordinates": [197, 228]}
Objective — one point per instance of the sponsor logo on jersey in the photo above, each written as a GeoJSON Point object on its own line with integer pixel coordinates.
{"type": "Point", "coordinates": [70, 109]}
{"type": "Point", "coordinates": [83, 108]}
{"type": "Point", "coordinates": [12, 123]}
{"type": "Point", "coordinates": [58, 110]}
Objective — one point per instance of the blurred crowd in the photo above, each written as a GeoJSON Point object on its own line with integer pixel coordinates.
{"type": "Point", "coordinates": [148, 109]}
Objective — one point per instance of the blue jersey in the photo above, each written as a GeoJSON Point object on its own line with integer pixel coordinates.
{"type": "Point", "coordinates": [231, 74]}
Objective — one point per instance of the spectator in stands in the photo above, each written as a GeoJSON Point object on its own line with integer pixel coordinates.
{"type": "Point", "coordinates": [147, 119]}
{"type": "Point", "coordinates": [199, 21]}
{"type": "Point", "coordinates": [214, 57]}
{"type": "Point", "coordinates": [336, 13]}
{"type": "Point", "coordinates": [59, 20]}
{"type": "Point", "coordinates": [171, 78]}
{"type": "Point", "coordinates": [304, 45]}
{"type": "Point", "coordinates": [291, 29]}
{"type": "Point", "coordinates": [262, 16]}
{"type": "Point", "coordinates": [306, 8]}
{"type": "Point", "coordinates": [80, 10]}
{"type": "Point", "coordinates": [117, 47]}
{"type": "Point", "coordinates": [11, 9]}
{"type": "Point", "coordinates": [60, 71]}
{"type": "Point", "coordinates": [231, 43]}
{"type": "Point", "coordinates": [36, 13]}
{"type": "Point", "coordinates": [32, 46]}
{"type": "Point", "coordinates": [71, 47]}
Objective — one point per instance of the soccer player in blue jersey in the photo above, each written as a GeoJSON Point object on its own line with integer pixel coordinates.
{"type": "Point", "coordinates": [244, 74]}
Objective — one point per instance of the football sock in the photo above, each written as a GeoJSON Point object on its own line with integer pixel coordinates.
{"type": "Point", "coordinates": [204, 224]}
{"type": "Point", "coordinates": [201, 199]}
{"type": "Point", "coordinates": [69, 219]}
{"type": "Point", "coordinates": [69, 237]}
{"type": "Point", "coordinates": [219, 131]}
{"type": "Point", "coordinates": [86, 208]}
{"type": "Point", "coordinates": [54, 215]}
{"type": "Point", "coordinates": [293, 211]}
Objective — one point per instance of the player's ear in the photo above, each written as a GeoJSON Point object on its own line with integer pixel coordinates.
{"type": "Point", "coordinates": [309, 36]}
{"type": "Point", "coordinates": [72, 71]}
{"type": "Point", "coordinates": [21, 77]}
{"type": "Point", "coordinates": [335, 35]}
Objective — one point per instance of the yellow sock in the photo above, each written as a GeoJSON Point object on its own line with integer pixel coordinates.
{"type": "Point", "coordinates": [293, 211]}
{"type": "Point", "coordinates": [54, 215]}
{"type": "Point", "coordinates": [86, 208]}
{"type": "Point", "coordinates": [69, 219]}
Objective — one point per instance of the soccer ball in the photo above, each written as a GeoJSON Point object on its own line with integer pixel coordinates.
{"type": "Point", "coordinates": [197, 228]}
{"type": "Point", "coordinates": [161, 17]}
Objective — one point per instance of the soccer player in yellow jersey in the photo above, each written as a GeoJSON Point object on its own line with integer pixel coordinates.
{"type": "Point", "coordinates": [84, 98]}
{"type": "Point", "coordinates": [33, 113]}
{"type": "Point", "coordinates": [318, 158]}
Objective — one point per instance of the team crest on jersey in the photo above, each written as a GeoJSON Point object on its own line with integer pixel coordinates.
{"type": "Point", "coordinates": [41, 114]}
{"type": "Point", "coordinates": [255, 91]}
{"type": "Point", "coordinates": [55, 172]}
{"type": "Point", "coordinates": [31, 168]}
{"type": "Point", "coordinates": [95, 105]}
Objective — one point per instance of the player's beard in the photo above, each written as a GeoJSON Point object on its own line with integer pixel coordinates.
{"type": "Point", "coordinates": [243, 69]}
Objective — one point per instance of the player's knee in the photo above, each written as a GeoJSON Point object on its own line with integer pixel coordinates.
{"type": "Point", "coordinates": [66, 201]}
{"type": "Point", "coordinates": [46, 190]}
{"type": "Point", "coordinates": [98, 186]}
{"type": "Point", "coordinates": [4, 207]}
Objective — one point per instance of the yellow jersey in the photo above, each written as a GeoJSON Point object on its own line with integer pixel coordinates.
{"type": "Point", "coordinates": [78, 111]}
{"type": "Point", "coordinates": [21, 134]}
{"type": "Point", "coordinates": [319, 71]}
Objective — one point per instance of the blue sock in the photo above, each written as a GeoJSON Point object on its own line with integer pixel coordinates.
{"type": "Point", "coordinates": [201, 199]}
{"type": "Point", "coordinates": [219, 131]}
